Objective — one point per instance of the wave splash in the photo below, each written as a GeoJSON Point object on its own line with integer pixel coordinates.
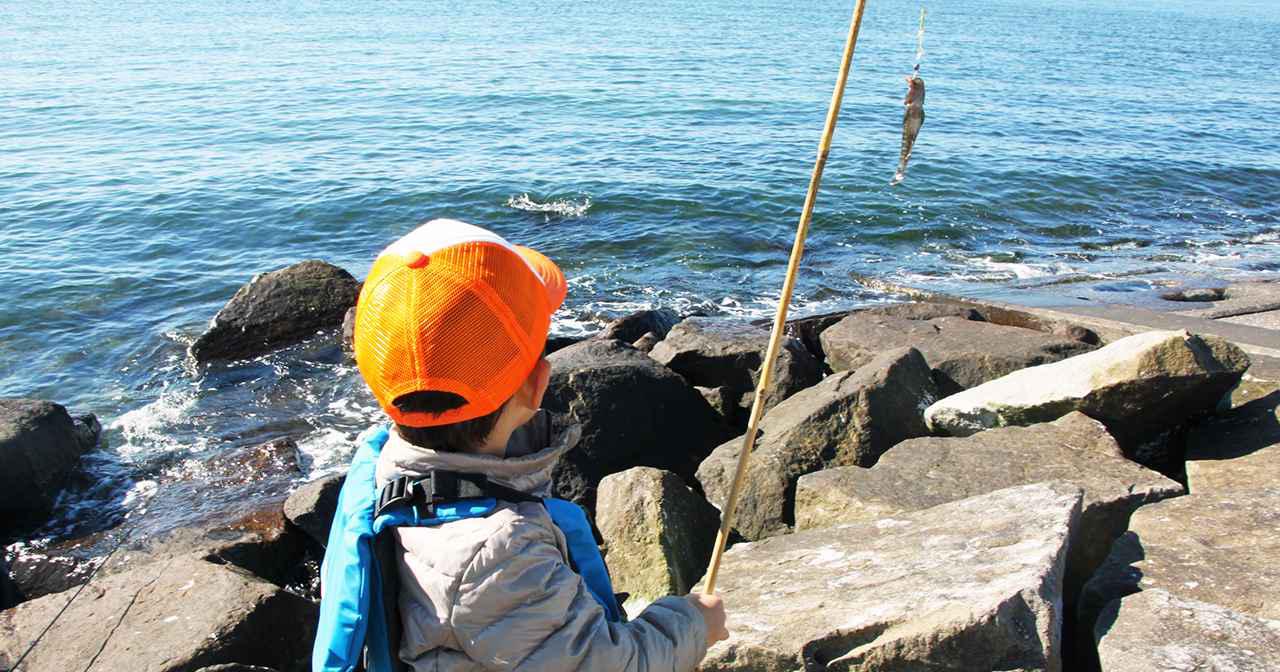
{"type": "Point", "coordinates": [557, 208]}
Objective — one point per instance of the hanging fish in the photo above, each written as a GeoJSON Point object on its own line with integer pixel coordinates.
{"type": "Point", "coordinates": [912, 120]}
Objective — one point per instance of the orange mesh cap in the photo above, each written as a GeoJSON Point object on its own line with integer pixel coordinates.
{"type": "Point", "coordinates": [453, 307]}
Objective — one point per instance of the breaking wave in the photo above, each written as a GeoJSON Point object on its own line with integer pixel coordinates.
{"type": "Point", "coordinates": [557, 208]}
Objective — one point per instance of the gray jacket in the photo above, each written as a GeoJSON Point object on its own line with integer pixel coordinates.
{"type": "Point", "coordinates": [497, 593]}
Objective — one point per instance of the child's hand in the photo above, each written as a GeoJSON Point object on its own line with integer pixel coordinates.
{"type": "Point", "coordinates": [712, 608]}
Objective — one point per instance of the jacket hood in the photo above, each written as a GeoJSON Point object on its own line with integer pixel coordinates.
{"type": "Point", "coordinates": [532, 453]}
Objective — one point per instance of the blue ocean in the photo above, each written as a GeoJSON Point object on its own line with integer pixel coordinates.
{"type": "Point", "coordinates": [154, 156]}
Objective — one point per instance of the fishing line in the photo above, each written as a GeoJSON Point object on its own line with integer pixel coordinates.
{"type": "Point", "coordinates": [920, 43]}
{"type": "Point", "coordinates": [124, 536]}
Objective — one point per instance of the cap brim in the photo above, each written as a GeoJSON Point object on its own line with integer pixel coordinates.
{"type": "Point", "coordinates": [550, 274]}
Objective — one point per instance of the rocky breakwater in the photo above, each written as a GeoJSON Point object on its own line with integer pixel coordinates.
{"type": "Point", "coordinates": [912, 551]}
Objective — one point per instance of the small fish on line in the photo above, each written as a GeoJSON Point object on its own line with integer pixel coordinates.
{"type": "Point", "coordinates": [912, 120]}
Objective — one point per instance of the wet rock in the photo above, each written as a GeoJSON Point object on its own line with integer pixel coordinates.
{"type": "Point", "coordinates": [1140, 387]}
{"type": "Point", "coordinates": [1211, 547]}
{"type": "Point", "coordinates": [633, 412]}
{"type": "Point", "coordinates": [984, 596]}
{"type": "Point", "coordinates": [658, 532]}
{"type": "Point", "coordinates": [277, 309]}
{"type": "Point", "coordinates": [40, 447]}
{"type": "Point", "coordinates": [716, 352]}
{"type": "Point", "coordinates": [181, 614]}
{"type": "Point", "coordinates": [275, 458]}
{"type": "Point", "coordinates": [312, 506]}
{"type": "Point", "coordinates": [962, 352]}
{"type": "Point", "coordinates": [349, 332]}
{"type": "Point", "coordinates": [88, 430]}
{"type": "Point", "coordinates": [645, 343]}
{"type": "Point", "coordinates": [921, 473]}
{"type": "Point", "coordinates": [1154, 631]}
{"type": "Point", "coordinates": [1239, 450]}
{"type": "Point", "coordinates": [8, 589]}
{"type": "Point", "coordinates": [850, 418]}
{"type": "Point", "coordinates": [633, 327]}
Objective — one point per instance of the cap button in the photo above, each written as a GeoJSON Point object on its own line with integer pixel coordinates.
{"type": "Point", "coordinates": [417, 260]}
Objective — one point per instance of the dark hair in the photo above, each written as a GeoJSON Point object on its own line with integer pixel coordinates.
{"type": "Point", "coordinates": [458, 437]}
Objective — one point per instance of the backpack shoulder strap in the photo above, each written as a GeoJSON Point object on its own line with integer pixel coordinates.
{"type": "Point", "coordinates": [584, 555]}
{"type": "Point", "coordinates": [352, 616]}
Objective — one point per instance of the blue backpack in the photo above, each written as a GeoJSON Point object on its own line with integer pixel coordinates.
{"type": "Point", "coordinates": [359, 622]}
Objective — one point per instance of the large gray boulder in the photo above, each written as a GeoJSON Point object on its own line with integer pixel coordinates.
{"type": "Point", "coordinates": [922, 473]}
{"type": "Point", "coordinates": [962, 352]}
{"type": "Point", "coordinates": [658, 532]}
{"type": "Point", "coordinates": [1154, 631]}
{"type": "Point", "coordinates": [850, 418]}
{"type": "Point", "coordinates": [633, 412]}
{"type": "Point", "coordinates": [179, 615]}
{"type": "Point", "coordinates": [312, 506]}
{"type": "Point", "coordinates": [1238, 450]}
{"type": "Point", "coordinates": [1211, 547]}
{"type": "Point", "coordinates": [277, 309]}
{"type": "Point", "coordinates": [715, 352]}
{"type": "Point", "coordinates": [1140, 387]}
{"type": "Point", "coordinates": [969, 585]}
{"type": "Point", "coordinates": [40, 447]}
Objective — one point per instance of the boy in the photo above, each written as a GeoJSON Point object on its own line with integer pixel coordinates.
{"type": "Point", "coordinates": [449, 334]}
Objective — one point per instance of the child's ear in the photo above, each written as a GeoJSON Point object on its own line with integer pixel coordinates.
{"type": "Point", "coordinates": [537, 383]}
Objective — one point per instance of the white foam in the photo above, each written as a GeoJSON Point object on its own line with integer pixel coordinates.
{"type": "Point", "coordinates": [559, 208]}
{"type": "Point", "coordinates": [328, 449]}
{"type": "Point", "coordinates": [151, 426]}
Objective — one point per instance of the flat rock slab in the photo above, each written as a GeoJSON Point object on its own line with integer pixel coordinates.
{"type": "Point", "coordinates": [259, 542]}
{"type": "Point", "coordinates": [1211, 547]}
{"type": "Point", "coordinates": [1154, 631]}
{"type": "Point", "coordinates": [1140, 387]}
{"type": "Point", "coordinates": [277, 309]}
{"type": "Point", "coordinates": [850, 418]}
{"type": "Point", "coordinates": [969, 585]}
{"type": "Point", "coordinates": [179, 615]}
{"type": "Point", "coordinates": [1239, 450]}
{"type": "Point", "coordinates": [657, 531]}
{"type": "Point", "coordinates": [922, 473]}
{"type": "Point", "coordinates": [962, 352]}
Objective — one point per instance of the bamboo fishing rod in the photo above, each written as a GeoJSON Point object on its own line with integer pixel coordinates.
{"type": "Point", "coordinates": [780, 320]}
